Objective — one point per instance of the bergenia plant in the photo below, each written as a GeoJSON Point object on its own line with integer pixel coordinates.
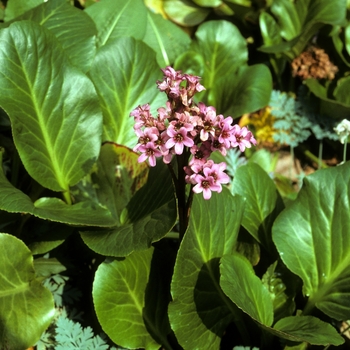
{"type": "Point", "coordinates": [189, 132]}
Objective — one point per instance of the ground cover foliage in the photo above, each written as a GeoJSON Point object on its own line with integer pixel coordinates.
{"type": "Point", "coordinates": [102, 251]}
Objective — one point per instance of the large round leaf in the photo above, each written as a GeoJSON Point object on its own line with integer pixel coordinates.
{"type": "Point", "coordinates": [119, 298]}
{"type": "Point", "coordinates": [165, 38]}
{"type": "Point", "coordinates": [263, 202]}
{"type": "Point", "coordinates": [115, 19]}
{"type": "Point", "coordinates": [312, 236]}
{"type": "Point", "coordinates": [244, 91]}
{"type": "Point", "coordinates": [223, 48]}
{"type": "Point", "coordinates": [26, 307]}
{"type": "Point", "coordinates": [200, 311]}
{"type": "Point", "coordinates": [124, 73]}
{"type": "Point", "coordinates": [53, 107]}
{"type": "Point", "coordinates": [76, 30]}
{"type": "Point", "coordinates": [245, 289]}
{"type": "Point", "coordinates": [147, 217]}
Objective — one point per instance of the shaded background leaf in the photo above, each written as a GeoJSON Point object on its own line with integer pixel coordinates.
{"type": "Point", "coordinates": [116, 19]}
{"type": "Point", "coordinates": [148, 217]}
{"type": "Point", "coordinates": [165, 38]}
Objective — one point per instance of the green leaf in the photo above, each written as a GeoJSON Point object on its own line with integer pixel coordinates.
{"type": "Point", "coordinates": [312, 237]}
{"type": "Point", "coordinates": [15, 8]}
{"type": "Point", "coordinates": [148, 217]}
{"type": "Point", "coordinates": [165, 38]}
{"type": "Point", "coordinates": [300, 21]}
{"type": "Point", "coordinates": [46, 236]}
{"type": "Point", "coordinates": [245, 91]}
{"type": "Point", "coordinates": [57, 138]}
{"type": "Point", "coordinates": [124, 73]}
{"type": "Point", "coordinates": [47, 267]}
{"type": "Point", "coordinates": [347, 38]}
{"type": "Point", "coordinates": [128, 17]}
{"type": "Point", "coordinates": [282, 286]}
{"type": "Point", "coordinates": [245, 289]}
{"type": "Point", "coordinates": [116, 177]}
{"type": "Point", "coordinates": [200, 312]}
{"type": "Point", "coordinates": [84, 213]}
{"type": "Point", "coordinates": [288, 18]}
{"type": "Point", "coordinates": [270, 30]}
{"type": "Point", "coordinates": [223, 48]}
{"type": "Point", "coordinates": [308, 329]}
{"type": "Point", "coordinates": [118, 294]}
{"type": "Point", "coordinates": [341, 92]}
{"type": "Point", "coordinates": [76, 31]}
{"type": "Point", "coordinates": [185, 12]}
{"type": "Point", "coordinates": [208, 3]}
{"type": "Point", "coordinates": [332, 108]}
{"type": "Point", "coordinates": [26, 307]}
{"type": "Point", "coordinates": [262, 202]}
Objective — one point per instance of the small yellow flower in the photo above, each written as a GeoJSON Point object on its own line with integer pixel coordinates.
{"type": "Point", "coordinates": [262, 124]}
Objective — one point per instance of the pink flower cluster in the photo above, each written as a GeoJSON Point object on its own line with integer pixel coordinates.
{"type": "Point", "coordinates": [185, 128]}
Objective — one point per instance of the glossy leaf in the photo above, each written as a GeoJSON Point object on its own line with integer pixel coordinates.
{"type": "Point", "coordinates": [185, 12]}
{"type": "Point", "coordinates": [57, 138]}
{"type": "Point", "coordinates": [262, 202]}
{"type": "Point", "coordinates": [116, 19]}
{"type": "Point", "coordinates": [118, 293]}
{"type": "Point", "coordinates": [200, 312]}
{"type": "Point", "coordinates": [332, 108]}
{"type": "Point", "coordinates": [245, 91]}
{"type": "Point", "coordinates": [76, 31]}
{"type": "Point", "coordinates": [245, 289]}
{"type": "Point", "coordinates": [301, 20]}
{"type": "Point", "coordinates": [308, 329]}
{"type": "Point", "coordinates": [208, 3]}
{"type": "Point", "coordinates": [341, 92]}
{"type": "Point", "coordinates": [223, 48]}
{"type": "Point", "coordinates": [282, 286]}
{"type": "Point", "coordinates": [165, 38]}
{"type": "Point", "coordinates": [15, 8]}
{"type": "Point", "coordinates": [84, 213]}
{"type": "Point", "coordinates": [312, 236]}
{"type": "Point", "coordinates": [288, 18]}
{"type": "Point", "coordinates": [124, 73]}
{"type": "Point", "coordinates": [270, 30]}
{"type": "Point", "coordinates": [115, 178]}
{"type": "Point", "coordinates": [148, 217]}
{"type": "Point", "coordinates": [26, 307]}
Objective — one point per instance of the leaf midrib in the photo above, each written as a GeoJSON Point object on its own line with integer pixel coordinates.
{"type": "Point", "coordinates": [41, 120]}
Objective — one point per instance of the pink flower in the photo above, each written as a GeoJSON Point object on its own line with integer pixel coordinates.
{"type": "Point", "coordinates": [206, 184]}
{"type": "Point", "coordinates": [179, 139]}
{"type": "Point", "coordinates": [243, 138]}
{"type": "Point", "coordinates": [148, 135]}
{"type": "Point", "coordinates": [149, 151]}
{"type": "Point", "coordinates": [217, 172]}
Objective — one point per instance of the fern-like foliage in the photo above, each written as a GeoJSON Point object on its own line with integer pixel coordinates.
{"type": "Point", "coordinates": [71, 335]}
{"type": "Point", "coordinates": [321, 126]}
{"type": "Point", "coordinates": [66, 333]}
{"type": "Point", "coordinates": [291, 126]}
